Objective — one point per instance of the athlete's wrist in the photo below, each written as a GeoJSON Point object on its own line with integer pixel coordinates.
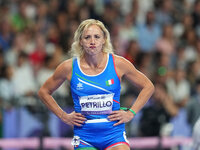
{"type": "Point", "coordinates": [132, 111]}
{"type": "Point", "coordinates": [62, 115]}
{"type": "Point", "coordinates": [128, 110]}
{"type": "Point", "coordinates": [130, 114]}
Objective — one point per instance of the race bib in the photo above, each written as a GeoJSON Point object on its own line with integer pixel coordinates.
{"type": "Point", "coordinates": [96, 104]}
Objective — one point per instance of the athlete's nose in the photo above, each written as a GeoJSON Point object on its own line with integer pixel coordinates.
{"type": "Point", "coordinates": [92, 42]}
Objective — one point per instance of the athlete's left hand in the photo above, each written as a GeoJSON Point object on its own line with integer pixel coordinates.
{"type": "Point", "coordinates": [120, 115]}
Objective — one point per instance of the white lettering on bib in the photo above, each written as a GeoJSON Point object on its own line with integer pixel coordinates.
{"type": "Point", "coordinates": [96, 104]}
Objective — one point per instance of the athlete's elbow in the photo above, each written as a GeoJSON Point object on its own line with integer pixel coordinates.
{"type": "Point", "coordinates": [41, 92]}
{"type": "Point", "coordinates": [150, 87]}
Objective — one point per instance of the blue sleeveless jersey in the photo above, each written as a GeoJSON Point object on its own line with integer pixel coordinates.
{"type": "Point", "coordinates": [95, 96]}
{"type": "Point", "coordinates": [105, 83]}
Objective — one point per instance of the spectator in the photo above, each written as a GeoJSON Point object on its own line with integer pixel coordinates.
{"type": "Point", "coordinates": [166, 43]}
{"type": "Point", "coordinates": [164, 14]}
{"type": "Point", "coordinates": [189, 41]}
{"type": "Point", "coordinates": [7, 90]}
{"type": "Point", "coordinates": [20, 21]}
{"type": "Point", "coordinates": [127, 31]}
{"type": "Point", "coordinates": [23, 73]}
{"type": "Point", "coordinates": [193, 105]}
{"type": "Point", "coordinates": [5, 34]}
{"type": "Point", "coordinates": [196, 14]}
{"type": "Point", "coordinates": [19, 44]}
{"type": "Point", "coordinates": [39, 52]}
{"type": "Point", "coordinates": [2, 63]}
{"type": "Point", "coordinates": [193, 72]}
{"type": "Point", "coordinates": [179, 88]}
{"type": "Point", "coordinates": [148, 33]}
{"type": "Point", "coordinates": [132, 51]}
{"type": "Point", "coordinates": [158, 112]}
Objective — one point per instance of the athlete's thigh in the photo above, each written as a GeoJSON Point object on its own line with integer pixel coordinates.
{"type": "Point", "coordinates": [120, 147]}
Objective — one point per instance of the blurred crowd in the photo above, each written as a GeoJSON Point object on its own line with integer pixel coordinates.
{"type": "Point", "coordinates": [160, 37]}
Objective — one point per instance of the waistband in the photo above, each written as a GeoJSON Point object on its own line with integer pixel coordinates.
{"type": "Point", "coordinates": [97, 120]}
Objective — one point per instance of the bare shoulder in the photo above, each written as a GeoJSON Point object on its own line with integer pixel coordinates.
{"type": "Point", "coordinates": [122, 65]}
{"type": "Point", "coordinates": [64, 69]}
{"type": "Point", "coordinates": [121, 60]}
{"type": "Point", "coordinates": [67, 64]}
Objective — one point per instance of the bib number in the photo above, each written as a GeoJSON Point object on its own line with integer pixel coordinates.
{"type": "Point", "coordinates": [96, 104]}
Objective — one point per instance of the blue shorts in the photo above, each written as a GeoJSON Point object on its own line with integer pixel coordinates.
{"type": "Point", "coordinates": [98, 134]}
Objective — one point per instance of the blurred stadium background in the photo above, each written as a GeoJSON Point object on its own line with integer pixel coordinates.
{"type": "Point", "coordinates": [160, 37]}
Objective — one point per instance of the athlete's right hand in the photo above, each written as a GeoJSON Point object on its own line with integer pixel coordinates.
{"type": "Point", "coordinates": [73, 119]}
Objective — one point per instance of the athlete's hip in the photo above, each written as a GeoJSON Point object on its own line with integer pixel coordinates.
{"type": "Point", "coordinates": [100, 126]}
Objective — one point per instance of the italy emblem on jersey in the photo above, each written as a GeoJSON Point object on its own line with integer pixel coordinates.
{"type": "Point", "coordinates": [109, 82]}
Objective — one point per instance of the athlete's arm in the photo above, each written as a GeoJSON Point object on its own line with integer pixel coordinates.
{"type": "Point", "coordinates": [62, 72]}
{"type": "Point", "coordinates": [126, 69]}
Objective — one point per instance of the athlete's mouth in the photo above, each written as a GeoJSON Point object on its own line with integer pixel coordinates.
{"type": "Point", "coordinates": [92, 46]}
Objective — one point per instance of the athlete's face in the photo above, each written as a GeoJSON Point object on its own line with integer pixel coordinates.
{"type": "Point", "coordinates": [92, 40]}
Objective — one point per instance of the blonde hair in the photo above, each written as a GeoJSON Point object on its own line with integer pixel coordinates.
{"type": "Point", "coordinates": [76, 48]}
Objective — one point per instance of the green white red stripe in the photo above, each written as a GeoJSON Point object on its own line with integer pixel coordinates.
{"type": "Point", "coordinates": [109, 82]}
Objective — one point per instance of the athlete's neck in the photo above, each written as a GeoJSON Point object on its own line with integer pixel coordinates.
{"type": "Point", "coordinates": [94, 61]}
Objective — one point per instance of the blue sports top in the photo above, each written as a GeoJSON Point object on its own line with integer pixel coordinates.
{"type": "Point", "coordinates": [95, 96]}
